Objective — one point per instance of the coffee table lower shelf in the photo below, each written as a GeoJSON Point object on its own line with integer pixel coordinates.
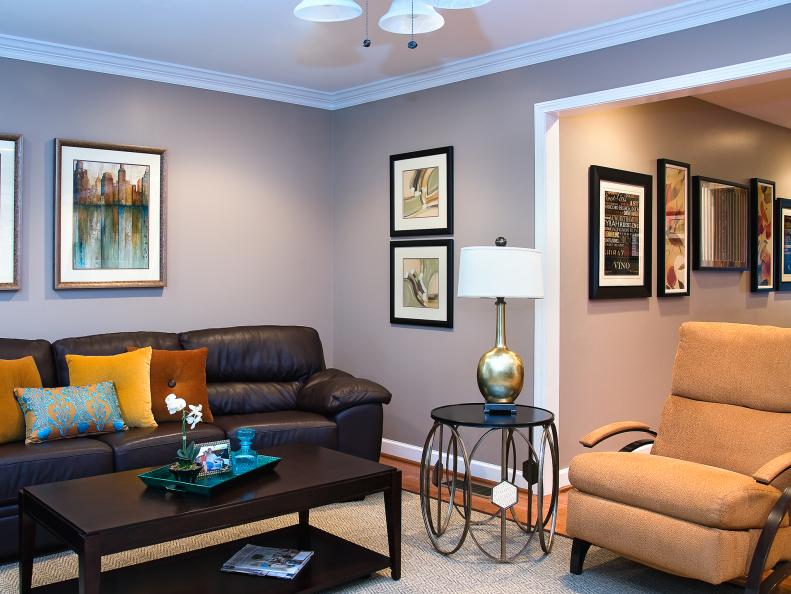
{"type": "Point", "coordinates": [336, 561]}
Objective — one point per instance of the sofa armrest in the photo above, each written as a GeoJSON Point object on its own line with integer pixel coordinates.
{"type": "Point", "coordinates": [772, 469]}
{"type": "Point", "coordinates": [598, 435]}
{"type": "Point", "coordinates": [331, 391]}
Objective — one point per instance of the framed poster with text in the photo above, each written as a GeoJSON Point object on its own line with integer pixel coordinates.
{"type": "Point", "coordinates": [619, 234]}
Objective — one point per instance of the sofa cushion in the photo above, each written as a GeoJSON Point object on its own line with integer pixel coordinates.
{"type": "Point", "coordinates": [239, 398]}
{"type": "Point", "coordinates": [154, 446]}
{"type": "Point", "coordinates": [106, 344]}
{"type": "Point", "coordinates": [283, 427]}
{"type": "Point", "coordinates": [258, 353]}
{"type": "Point", "coordinates": [15, 373]}
{"type": "Point", "coordinates": [697, 493]}
{"type": "Point", "coordinates": [40, 350]}
{"type": "Point", "coordinates": [22, 466]}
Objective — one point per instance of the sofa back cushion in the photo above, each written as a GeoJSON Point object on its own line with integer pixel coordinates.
{"type": "Point", "coordinates": [40, 350]}
{"type": "Point", "coordinates": [107, 344]}
{"type": "Point", "coordinates": [258, 353]}
{"type": "Point", "coordinates": [241, 398]}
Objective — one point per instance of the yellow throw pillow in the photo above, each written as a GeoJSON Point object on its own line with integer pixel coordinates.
{"type": "Point", "coordinates": [131, 374]}
{"type": "Point", "coordinates": [15, 373]}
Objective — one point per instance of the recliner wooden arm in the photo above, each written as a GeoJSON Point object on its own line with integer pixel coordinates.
{"type": "Point", "coordinates": [598, 435]}
{"type": "Point", "coordinates": [772, 469]}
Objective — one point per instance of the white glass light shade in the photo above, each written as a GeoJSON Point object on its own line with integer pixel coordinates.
{"type": "Point", "coordinates": [489, 271]}
{"type": "Point", "coordinates": [398, 19]}
{"type": "Point", "coordinates": [457, 3]}
{"type": "Point", "coordinates": [327, 11]}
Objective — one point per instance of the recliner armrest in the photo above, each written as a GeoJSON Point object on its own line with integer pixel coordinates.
{"type": "Point", "coordinates": [332, 390]}
{"type": "Point", "coordinates": [772, 469]}
{"type": "Point", "coordinates": [598, 435]}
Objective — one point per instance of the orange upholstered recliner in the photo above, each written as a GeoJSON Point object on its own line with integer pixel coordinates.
{"type": "Point", "coordinates": [711, 501]}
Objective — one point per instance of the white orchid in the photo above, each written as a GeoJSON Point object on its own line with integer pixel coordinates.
{"type": "Point", "coordinates": [195, 415]}
{"type": "Point", "coordinates": [175, 404]}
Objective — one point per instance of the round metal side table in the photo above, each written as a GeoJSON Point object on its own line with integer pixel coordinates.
{"type": "Point", "coordinates": [446, 488]}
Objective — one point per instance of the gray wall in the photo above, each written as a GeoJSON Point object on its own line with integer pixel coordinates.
{"type": "Point", "coordinates": [249, 204]}
{"type": "Point", "coordinates": [490, 123]}
{"type": "Point", "coordinates": [622, 351]}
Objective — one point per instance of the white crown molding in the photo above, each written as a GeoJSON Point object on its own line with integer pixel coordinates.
{"type": "Point", "coordinates": [686, 15]}
{"type": "Point", "coordinates": [55, 54]}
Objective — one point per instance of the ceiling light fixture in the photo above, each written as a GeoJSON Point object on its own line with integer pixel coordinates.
{"type": "Point", "coordinates": [327, 11]}
{"type": "Point", "coordinates": [454, 4]}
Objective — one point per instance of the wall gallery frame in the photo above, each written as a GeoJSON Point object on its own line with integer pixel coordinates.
{"type": "Point", "coordinates": [619, 234]}
{"type": "Point", "coordinates": [762, 246]}
{"type": "Point", "coordinates": [783, 244]}
{"type": "Point", "coordinates": [673, 254]}
{"type": "Point", "coordinates": [720, 209]}
{"type": "Point", "coordinates": [10, 196]}
{"type": "Point", "coordinates": [421, 278]}
{"type": "Point", "coordinates": [110, 216]}
{"type": "Point", "coordinates": [421, 193]}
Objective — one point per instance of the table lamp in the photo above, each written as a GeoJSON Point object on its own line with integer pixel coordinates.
{"type": "Point", "coordinates": [499, 272]}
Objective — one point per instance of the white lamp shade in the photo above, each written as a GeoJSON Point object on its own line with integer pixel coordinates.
{"type": "Point", "coordinates": [399, 18]}
{"type": "Point", "coordinates": [489, 271]}
{"type": "Point", "coordinates": [327, 11]}
{"type": "Point", "coordinates": [457, 3]}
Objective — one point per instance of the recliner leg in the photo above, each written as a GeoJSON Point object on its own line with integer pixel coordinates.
{"type": "Point", "coordinates": [579, 548]}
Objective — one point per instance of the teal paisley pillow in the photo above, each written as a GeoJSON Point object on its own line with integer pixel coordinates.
{"type": "Point", "coordinates": [73, 411]}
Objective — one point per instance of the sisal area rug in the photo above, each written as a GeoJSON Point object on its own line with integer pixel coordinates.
{"type": "Point", "coordinates": [424, 570]}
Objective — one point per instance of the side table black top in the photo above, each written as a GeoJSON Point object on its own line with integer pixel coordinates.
{"type": "Point", "coordinates": [471, 415]}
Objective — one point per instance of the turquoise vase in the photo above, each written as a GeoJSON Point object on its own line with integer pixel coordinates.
{"type": "Point", "coordinates": [245, 458]}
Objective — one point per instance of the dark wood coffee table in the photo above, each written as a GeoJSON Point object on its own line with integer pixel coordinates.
{"type": "Point", "coordinates": [107, 514]}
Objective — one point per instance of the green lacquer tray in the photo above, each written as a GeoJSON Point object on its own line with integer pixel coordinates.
{"type": "Point", "coordinates": [205, 485]}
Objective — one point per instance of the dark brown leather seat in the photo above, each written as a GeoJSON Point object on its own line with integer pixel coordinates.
{"type": "Point", "coordinates": [156, 446]}
{"type": "Point", "coordinates": [271, 378]}
{"type": "Point", "coordinates": [282, 427]}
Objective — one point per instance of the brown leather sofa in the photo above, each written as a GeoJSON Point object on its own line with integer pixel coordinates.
{"type": "Point", "coordinates": [271, 378]}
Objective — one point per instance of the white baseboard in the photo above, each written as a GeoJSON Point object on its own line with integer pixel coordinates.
{"type": "Point", "coordinates": [481, 470]}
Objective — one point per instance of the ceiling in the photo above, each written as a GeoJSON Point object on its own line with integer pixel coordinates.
{"type": "Point", "coordinates": [768, 101]}
{"type": "Point", "coordinates": [263, 40]}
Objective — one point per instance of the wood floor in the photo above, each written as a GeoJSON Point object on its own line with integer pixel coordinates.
{"type": "Point", "coordinates": [411, 482]}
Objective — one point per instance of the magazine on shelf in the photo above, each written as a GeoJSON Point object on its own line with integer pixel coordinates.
{"type": "Point", "coordinates": [268, 561]}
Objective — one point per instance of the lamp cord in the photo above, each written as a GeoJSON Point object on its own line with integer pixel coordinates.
{"type": "Point", "coordinates": [367, 40]}
{"type": "Point", "coordinates": [412, 43]}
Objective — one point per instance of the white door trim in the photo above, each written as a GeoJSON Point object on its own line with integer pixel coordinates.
{"type": "Point", "coordinates": [546, 360]}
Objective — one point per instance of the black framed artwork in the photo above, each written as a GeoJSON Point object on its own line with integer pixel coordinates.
{"type": "Point", "coordinates": [10, 195]}
{"type": "Point", "coordinates": [673, 257]}
{"type": "Point", "coordinates": [421, 279]}
{"type": "Point", "coordinates": [762, 226]}
{"type": "Point", "coordinates": [421, 193]}
{"type": "Point", "coordinates": [783, 244]}
{"type": "Point", "coordinates": [619, 233]}
{"type": "Point", "coordinates": [720, 209]}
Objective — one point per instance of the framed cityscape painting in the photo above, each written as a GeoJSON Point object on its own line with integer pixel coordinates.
{"type": "Point", "coordinates": [673, 188]}
{"type": "Point", "coordinates": [720, 209]}
{"type": "Point", "coordinates": [762, 226]}
{"type": "Point", "coordinates": [10, 174]}
{"type": "Point", "coordinates": [110, 217]}
{"type": "Point", "coordinates": [421, 278]}
{"type": "Point", "coordinates": [619, 233]}
{"type": "Point", "coordinates": [783, 244]}
{"type": "Point", "coordinates": [421, 193]}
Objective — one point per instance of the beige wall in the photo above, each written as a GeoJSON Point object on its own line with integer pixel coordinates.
{"type": "Point", "coordinates": [617, 356]}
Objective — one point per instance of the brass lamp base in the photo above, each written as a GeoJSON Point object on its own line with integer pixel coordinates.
{"type": "Point", "coordinates": [501, 372]}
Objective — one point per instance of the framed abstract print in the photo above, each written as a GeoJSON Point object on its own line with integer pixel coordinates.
{"type": "Point", "coordinates": [783, 244]}
{"type": "Point", "coordinates": [720, 209]}
{"type": "Point", "coordinates": [421, 193]}
{"type": "Point", "coordinates": [762, 227]}
{"type": "Point", "coordinates": [110, 217]}
{"type": "Point", "coordinates": [673, 256]}
{"type": "Point", "coordinates": [421, 279]}
{"type": "Point", "coordinates": [10, 175]}
{"type": "Point", "coordinates": [619, 233]}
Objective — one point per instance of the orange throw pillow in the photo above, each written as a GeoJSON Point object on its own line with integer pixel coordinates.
{"type": "Point", "coordinates": [182, 373]}
{"type": "Point", "coordinates": [16, 373]}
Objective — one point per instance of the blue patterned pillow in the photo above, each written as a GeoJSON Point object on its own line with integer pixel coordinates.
{"type": "Point", "coordinates": [73, 411]}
